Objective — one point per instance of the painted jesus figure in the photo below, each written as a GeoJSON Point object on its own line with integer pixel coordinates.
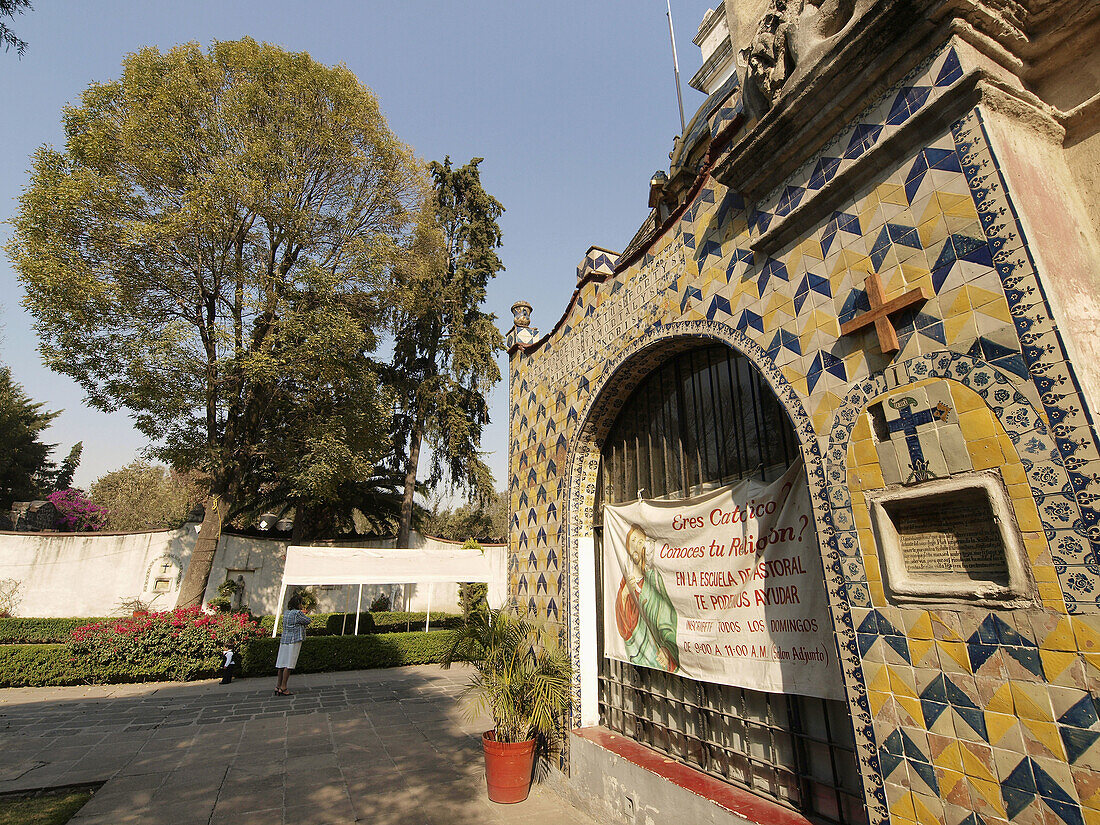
{"type": "Point", "coordinates": [644, 613]}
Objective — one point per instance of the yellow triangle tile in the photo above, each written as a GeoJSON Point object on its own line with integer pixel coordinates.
{"type": "Point", "coordinates": [892, 193]}
{"type": "Point", "coordinates": [956, 651]}
{"type": "Point", "coordinates": [931, 212]}
{"type": "Point", "coordinates": [1027, 709]}
{"type": "Point", "coordinates": [918, 649]}
{"type": "Point", "coordinates": [898, 686]}
{"type": "Point", "coordinates": [796, 379]}
{"type": "Point", "coordinates": [916, 276]}
{"type": "Point", "coordinates": [955, 324]}
{"type": "Point", "coordinates": [903, 807]}
{"type": "Point", "coordinates": [910, 704]}
{"type": "Point", "coordinates": [826, 322]}
{"type": "Point", "coordinates": [893, 284]}
{"type": "Point", "coordinates": [996, 309]}
{"type": "Point", "coordinates": [1055, 662]}
{"type": "Point", "coordinates": [997, 725]}
{"type": "Point", "coordinates": [1047, 734]}
{"type": "Point", "coordinates": [958, 206]}
{"type": "Point", "coordinates": [1088, 636]}
{"type": "Point", "coordinates": [948, 780]}
{"type": "Point", "coordinates": [990, 792]}
{"type": "Point", "coordinates": [932, 231]}
{"type": "Point", "coordinates": [850, 260]}
{"type": "Point", "coordinates": [1092, 660]}
{"type": "Point", "coordinates": [824, 412]}
{"type": "Point", "coordinates": [961, 304]}
{"type": "Point", "coordinates": [855, 364]}
{"type": "Point", "coordinates": [1061, 638]}
{"type": "Point", "coordinates": [877, 677]}
{"type": "Point", "coordinates": [876, 698]}
{"type": "Point", "coordinates": [950, 758]}
{"type": "Point", "coordinates": [924, 816]}
{"type": "Point", "coordinates": [1001, 701]}
{"type": "Point", "coordinates": [921, 628]}
{"type": "Point", "coordinates": [782, 303]}
{"type": "Point", "coordinates": [868, 204]}
{"type": "Point", "coordinates": [811, 248]}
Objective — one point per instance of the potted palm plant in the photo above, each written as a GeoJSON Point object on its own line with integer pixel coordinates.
{"type": "Point", "coordinates": [524, 681]}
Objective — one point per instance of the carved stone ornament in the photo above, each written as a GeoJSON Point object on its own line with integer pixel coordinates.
{"type": "Point", "coordinates": [521, 312]}
{"type": "Point", "coordinates": [523, 333]}
{"type": "Point", "coordinates": [790, 37]}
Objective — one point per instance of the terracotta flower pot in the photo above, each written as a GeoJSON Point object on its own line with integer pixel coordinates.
{"type": "Point", "coordinates": [508, 768]}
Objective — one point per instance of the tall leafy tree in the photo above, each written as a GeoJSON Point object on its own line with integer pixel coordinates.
{"type": "Point", "coordinates": [67, 470]}
{"type": "Point", "coordinates": [205, 253]}
{"type": "Point", "coordinates": [444, 343]}
{"type": "Point", "coordinates": [483, 521]}
{"type": "Point", "coordinates": [144, 496]}
{"type": "Point", "coordinates": [10, 8]}
{"type": "Point", "coordinates": [24, 457]}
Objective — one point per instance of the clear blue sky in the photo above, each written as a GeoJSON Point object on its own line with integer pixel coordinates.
{"type": "Point", "coordinates": [572, 105]}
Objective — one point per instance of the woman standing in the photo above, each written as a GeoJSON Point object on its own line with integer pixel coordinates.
{"type": "Point", "coordinates": [295, 622]}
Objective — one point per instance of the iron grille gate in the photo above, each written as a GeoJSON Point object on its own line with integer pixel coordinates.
{"type": "Point", "coordinates": [702, 419]}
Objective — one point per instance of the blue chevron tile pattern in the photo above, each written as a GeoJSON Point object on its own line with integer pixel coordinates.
{"type": "Point", "coordinates": [964, 711]}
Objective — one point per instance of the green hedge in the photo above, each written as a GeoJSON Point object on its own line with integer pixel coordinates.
{"type": "Point", "coordinates": [51, 664]}
{"type": "Point", "coordinates": [363, 652]}
{"type": "Point", "coordinates": [23, 631]}
{"type": "Point", "coordinates": [333, 624]}
{"type": "Point", "coordinates": [42, 665]}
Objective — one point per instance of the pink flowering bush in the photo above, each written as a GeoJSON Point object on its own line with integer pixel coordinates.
{"type": "Point", "coordinates": [76, 513]}
{"type": "Point", "coordinates": [180, 644]}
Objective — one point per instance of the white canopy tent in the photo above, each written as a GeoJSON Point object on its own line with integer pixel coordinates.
{"type": "Point", "coordinates": [435, 562]}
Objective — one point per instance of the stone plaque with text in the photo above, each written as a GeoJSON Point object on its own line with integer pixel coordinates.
{"type": "Point", "coordinates": [953, 534]}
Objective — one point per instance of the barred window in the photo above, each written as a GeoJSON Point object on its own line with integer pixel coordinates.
{"type": "Point", "coordinates": [703, 419]}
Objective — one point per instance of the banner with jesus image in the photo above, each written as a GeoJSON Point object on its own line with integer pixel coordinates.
{"type": "Point", "coordinates": [726, 587]}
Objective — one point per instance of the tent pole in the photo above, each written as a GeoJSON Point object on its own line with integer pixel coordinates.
{"type": "Point", "coordinates": [358, 607]}
{"type": "Point", "coordinates": [347, 604]}
{"type": "Point", "coordinates": [279, 609]}
{"type": "Point", "coordinates": [428, 615]}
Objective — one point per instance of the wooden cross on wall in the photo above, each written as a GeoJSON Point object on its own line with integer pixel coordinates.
{"type": "Point", "coordinates": [881, 310]}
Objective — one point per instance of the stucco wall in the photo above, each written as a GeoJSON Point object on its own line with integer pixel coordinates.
{"type": "Point", "coordinates": [90, 574]}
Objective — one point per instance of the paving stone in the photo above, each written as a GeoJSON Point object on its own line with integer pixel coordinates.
{"type": "Point", "coordinates": [384, 746]}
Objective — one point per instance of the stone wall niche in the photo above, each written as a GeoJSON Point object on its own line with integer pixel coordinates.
{"type": "Point", "coordinates": [954, 538]}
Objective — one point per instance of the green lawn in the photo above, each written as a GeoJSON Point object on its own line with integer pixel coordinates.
{"type": "Point", "coordinates": [43, 808]}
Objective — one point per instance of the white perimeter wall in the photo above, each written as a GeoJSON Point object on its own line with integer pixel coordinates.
{"type": "Point", "coordinates": [89, 574]}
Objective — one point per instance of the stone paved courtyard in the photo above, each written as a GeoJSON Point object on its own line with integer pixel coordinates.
{"type": "Point", "coordinates": [381, 746]}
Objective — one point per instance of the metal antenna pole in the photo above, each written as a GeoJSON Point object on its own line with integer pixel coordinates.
{"type": "Point", "coordinates": [676, 67]}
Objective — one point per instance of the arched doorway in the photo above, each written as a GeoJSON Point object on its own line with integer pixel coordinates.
{"type": "Point", "coordinates": [701, 418]}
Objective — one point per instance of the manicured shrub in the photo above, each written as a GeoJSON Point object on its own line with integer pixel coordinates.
{"type": "Point", "coordinates": [396, 622]}
{"type": "Point", "coordinates": [20, 630]}
{"type": "Point", "coordinates": [330, 653]}
{"type": "Point", "coordinates": [182, 644]}
{"type": "Point", "coordinates": [42, 665]}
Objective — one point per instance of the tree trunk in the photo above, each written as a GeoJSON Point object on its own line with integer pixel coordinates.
{"type": "Point", "coordinates": [202, 558]}
{"type": "Point", "coordinates": [415, 437]}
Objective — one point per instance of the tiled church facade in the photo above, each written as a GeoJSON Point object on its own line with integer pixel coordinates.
{"type": "Point", "coordinates": [932, 164]}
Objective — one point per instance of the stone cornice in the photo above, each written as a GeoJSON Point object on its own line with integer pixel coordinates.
{"type": "Point", "coordinates": [875, 52]}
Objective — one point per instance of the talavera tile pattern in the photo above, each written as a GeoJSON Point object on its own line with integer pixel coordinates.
{"type": "Point", "coordinates": [963, 713]}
